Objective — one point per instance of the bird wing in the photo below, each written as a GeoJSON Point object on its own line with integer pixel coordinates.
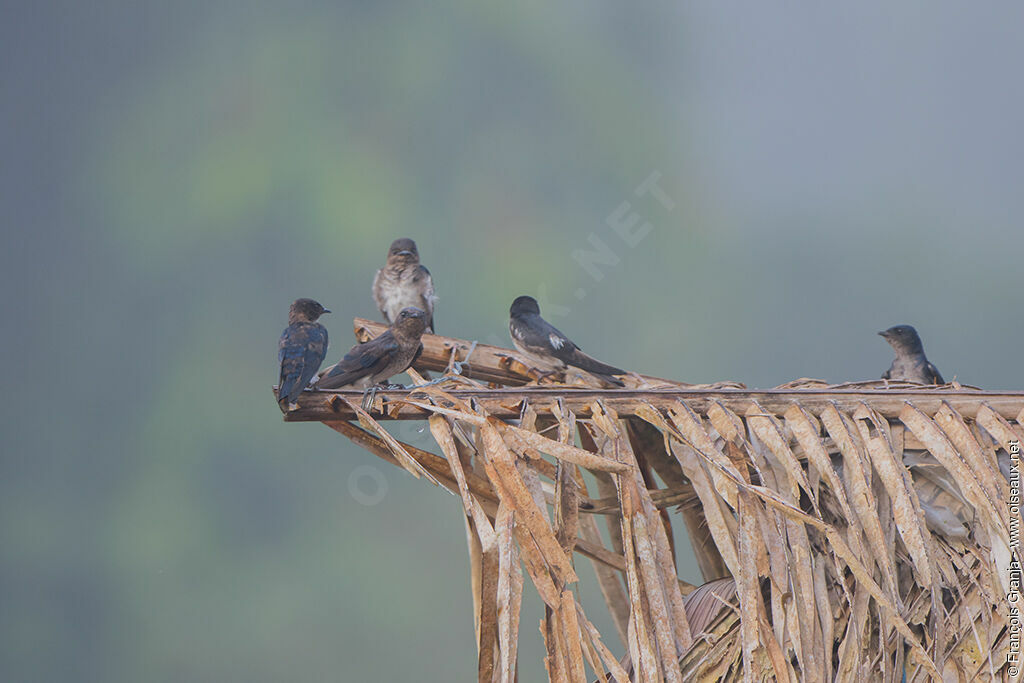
{"type": "Point", "coordinates": [559, 346]}
{"type": "Point", "coordinates": [566, 351]}
{"type": "Point", "coordinates": [594, 366]}
{"type": "Point", "coordinates": [428, 296]}
{"type": "Point", "coordinates": [362, 360]}
{"type": "Point", "coordinates": [316, 351]}
{"type": "Point", "coordinates": [543, 337]}
{"type": "Point", "coordinates": [933, 374]}
{"type": "Point", "coordinates": [300, 352]}
{"type": "Point", "coordinates": [538, 335]}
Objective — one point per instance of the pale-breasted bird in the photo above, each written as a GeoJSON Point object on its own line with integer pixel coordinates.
{"type": "Point", "coordinates": [548, 348]}
{"type": "Point", "coordinates": [910, 363]}
{"type": "Point", "coordinates": [301, 350]}
{"type": "Point", "coordinates": [378, 359]}
{"type": "Point", "coordinates": [404, 282]}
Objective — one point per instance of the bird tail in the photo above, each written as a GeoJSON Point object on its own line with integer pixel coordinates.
{"type": "Point", "coordinates": [612, 380]}
{"type": "Point", "coordinates": [596, 367]}
{"type": "Point", "coordinates": [285, 390]}
{"type": "Point", "coordinates": [335, 378]}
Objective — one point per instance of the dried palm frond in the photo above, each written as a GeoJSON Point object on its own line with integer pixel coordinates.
{"type": "Point", "coordinates": [850, 532]}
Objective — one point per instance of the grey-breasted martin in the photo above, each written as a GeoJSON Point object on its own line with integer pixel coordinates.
{"type": "Point", "coordinates": [404, 282]}
{"type": "Point", "coordinates": [378, 359]}
{"type": "Point", "coordinates": [910, 363]}
{"type": "Point", "coordinates": [545, 346]}
{"type": "Point", "coordinates": [301, 350]}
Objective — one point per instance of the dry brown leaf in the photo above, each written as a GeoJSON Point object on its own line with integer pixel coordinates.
{"type": "Point", "coordinates": [936, 441]}
{"type": "Point", "coordinates": [953, 425]}
{"type": "Point", "coordinates": [403, 457]}
{"type": "Point", "coordinates": [572, 636]}
{"type": "Point", "coordinates": [907, 512]}
{"type": "Point", "coordinates": [608, 579]}
{"type": "Point", "coordinates": [567, 510]}
{"type": "Point", "coordinates": [838, 576]}
{"type": "Point", "coordinates": [747, 584]}
{"type": "Point", "coordinates": [769, 431]}
{"type": "Point", "coordinates": [611, 664]}
{"type": "Point", "coordinates": [487, 644]}
{"type": "Point", "coordinates": [527, 511]}
{"type": "Point", "coordinates": [664, 633]}
{"type": "Point", "coordinates": [857, 473]}
{"type": "Point", "coordinates": [510, 594]}
{"type": "Point", "coordinates": [442, 433]}
{"type": "Point", "coordinates": [690, 426]}
{"type": "Point", "coordinates": [641, 644]}
{"type": "Point", "coordinates": [562, 451]}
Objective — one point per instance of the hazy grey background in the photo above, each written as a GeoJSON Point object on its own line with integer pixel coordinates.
{"type": "Point", "coordinates": [174, 174]}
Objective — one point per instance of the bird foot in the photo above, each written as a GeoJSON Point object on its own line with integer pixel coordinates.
{"type": "Point", "coordinates": [368, 397]}
{"type": "Point", "coordinates": [370, 394]}
{"type": "Point", "coordinates": [542, 375]}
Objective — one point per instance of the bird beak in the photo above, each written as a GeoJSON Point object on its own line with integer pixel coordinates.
{"type": "Point", "coordinates": [325, 311]}
{"type": "Point", "coordinates": [882, 334]}
{"type": "Point", "coordinates": [405, 253]}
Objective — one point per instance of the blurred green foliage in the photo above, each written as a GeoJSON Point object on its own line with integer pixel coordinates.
{"type": "Point", "coordinates": [175, 175]}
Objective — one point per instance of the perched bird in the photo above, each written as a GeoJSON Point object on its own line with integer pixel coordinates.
{"type": "Point", "coordinates": [404, 282]}
{"type": "Point", "coordinates": [301, 350]}
{"type": "Point", "coordinates": [548, 348]}
{"type": "Point", "coordinates": [910, 363]}
{"type": "Point", "coordinates": [374, 361]}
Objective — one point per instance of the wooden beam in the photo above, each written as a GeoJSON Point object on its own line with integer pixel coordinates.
{"type": "Point", "coordinates": [486, 363]}
{"type": "Point", "coordinates": [506, 404]}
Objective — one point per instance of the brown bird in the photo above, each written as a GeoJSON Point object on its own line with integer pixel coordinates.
{"type": "Point", "coordinates": [300, 351]}
{"type": "Point", "coordinates": [378, 359]}
{"type": "Point", "coordinates": [548, 348]}
{"type": "Point", "coordinates": [910, 363]}
{"type": "Point", "coordinates": [404, 282]}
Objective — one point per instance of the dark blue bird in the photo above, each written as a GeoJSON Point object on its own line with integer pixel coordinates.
{"type": "Point", "coordinates": [301, 350]}
{"type": "Point", "coordinates": [549, 349]}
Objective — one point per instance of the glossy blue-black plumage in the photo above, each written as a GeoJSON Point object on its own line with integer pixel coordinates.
{"type": "Point", "coordinates": [538, 339]}
{"type": "Point", "coordinates": [301, 350]}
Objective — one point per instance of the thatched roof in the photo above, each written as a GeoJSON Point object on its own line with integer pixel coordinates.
{"type": "Point", "coordinates": [850, 532]}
